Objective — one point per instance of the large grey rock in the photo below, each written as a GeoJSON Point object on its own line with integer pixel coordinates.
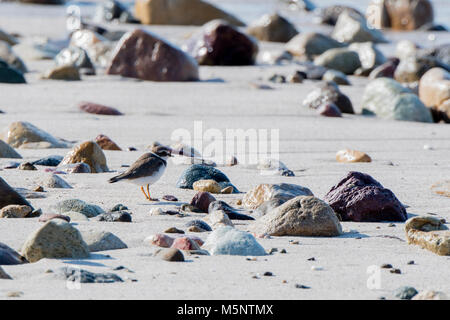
{"type": "Point", "coordinates": [341, 59]}
{"type": "Point", "coordinates": [76, 205]}
{"type": "Point", "coordinates": [10, 196]}
{"type": "Point", "coordinates": [55, 181]}
{"type": "Point", "coordinates": [6, 151]}
{"type": "Point", "coordinates": [10, 256]}
{"type": "Point", "coordinates": [351, 28]}
{"type": "Point", "coordinates": [301, 216]}
{"type": "Point", "coordinates": [265, 192]}
{"type": "Point", "coordinates": [102, 241]}
{"type": "Point", "coordinates": [55, 239]}
{"type": "Point", "coordinates": [8, 55]}
{"type": "Point", "coordinates": [312, 44]}
{"type": "Point", "coordinates": [388, 99]}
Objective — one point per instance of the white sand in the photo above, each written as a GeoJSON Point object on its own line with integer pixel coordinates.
{"type": "Point", "coordinates": [308, 144]}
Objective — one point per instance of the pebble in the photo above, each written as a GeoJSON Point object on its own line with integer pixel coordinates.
{"type": "Point", "coordinates": [405, 293]}
{"type": "Point", "coordinates": [116, 216]}
{"type": "Point", "coordinates": [170, 198]}
{"type": "Point", "coordinates": [95, 108]}
{"type": "Point", "coordinates": [84, 276]}
{"type": "Point", "coordinates": [76, 205]}
{"type": "Point", "coordinates": [102, 241]}
{"type": "Point", "coordinates": [301, 286]}
{"type": "Point", "coordinates": [396, 271]}
{"type": "Point", "coordinates": [170, 254]}
{"type": "Point", "coordinates": [15, 211]}
{"type": "Point", "coordinates": [174, 230]}
{"type": "Point", "coordinates": [316, 268]}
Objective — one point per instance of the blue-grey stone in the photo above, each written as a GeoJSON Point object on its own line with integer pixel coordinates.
{"type": "Point", "coordinates": [76, 205]}
{"type": "Point", "coordinates": [230, 241]}
{"type": "Point", "coordinates": [9, 256]}
{"type": "Point", "coordinates": [232, 213]}
{"type": "Point", "coordinates": [200, 224]}
{"type": "Point", "coordinates": [405, 293]}
{"type": "Point", "coordinates": [202, 172]}
{"type": "Point", "coordinates": [50, 161]}
{"type": "Point", "coordinates": [10, 75]}
{"type": "Point", "coordinates": [84, 276]}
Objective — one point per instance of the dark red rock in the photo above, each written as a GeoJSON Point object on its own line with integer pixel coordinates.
{"type": "Point", "coordinates": [10, 196]}
{"type": "Point", "coordinates": [221, 44]}
{"type": "Point", "coordinates": [50, 216]}
{"type": "Point", "coordinates": [329, 110]}
{"type": "Point", "coordinates": [106, 143]}
{"type": "Point", "coordinates": [202, 200]}
{"type": "Point", "coordinates": [185, 243]}
{"type": "Point", "coordinates": [386, 70]}
{"type": "Point", "coordinates": [168, 197]}
{"type": "Point", "coordinates": [143, 55]}
{"type": "Point", "coordinates": [9, 256]}
{"type": "Point", "coordinates": [96, 108]}
{"type": "Point", "coordinates": [359, 197]}
{"type": "Point", "coordinates": [162, 240]}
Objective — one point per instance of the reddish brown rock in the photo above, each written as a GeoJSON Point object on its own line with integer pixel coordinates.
{"type": "Point", "coordinates": [329, 110]}
{"type": "Point", "coordinates": [162, 240]}
{"type": "Point", "coordinates": [140, 54]}
{"type": "Point", "coordinates": [220, 44]}
{"type": "Point", "coordinates": [50, 216]}
{"type": "Point", "coordinates": [386, 70]}
{"type": "Point", "coordinates": [106, 143]}
{"type": "Point", "coordinates": [359, 197]}
{"type": "Point", "coordinates": [202, 200]}
{"type": "Point", "coordinates": [96, 108]}
{"type": "Point", "coordinates": [185, 243]}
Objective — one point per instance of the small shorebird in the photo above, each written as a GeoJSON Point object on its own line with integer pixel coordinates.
{"type": "Point", "coordinates": [147, 169]}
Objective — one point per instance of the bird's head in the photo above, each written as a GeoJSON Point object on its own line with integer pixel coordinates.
{"type": "Point", "coordinates": [163, 152]}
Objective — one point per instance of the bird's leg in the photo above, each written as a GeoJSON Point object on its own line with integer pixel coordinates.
{"type": "Point", "coordinates": [148, 191]}
{"type": "Point", "coordinates": [142, 189]}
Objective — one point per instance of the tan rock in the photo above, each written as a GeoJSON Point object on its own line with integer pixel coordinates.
{"type": "Point", "coordinates": [227, 190]}
{"type": "Point", "coordinates": [265, 192]}
{"type": "Point", "coordinates": [90, 153]}
{"type": "Point", "coordinates": [22, 134]}
{"type": "Point", "coordinates": [15, 211]}
{"type": "Point", "coordinates": [180, 12]}
{"type": "Point", "coordinates": [442, 188]}
{"type": "Point", "coordinates": [310, 45]}
{"type": "Point", "coordinates": [348, 155]}
{"type": "Point", "coordinates": [430, 295]}
{"type": "Point", "coordinates": [218, 218]}
{"type": "Point", "coordinates": [207, 185]}
{"type": "Point", "coordinates": [300, 216]}
{"type": "Point", "coordinates": [434, 87]}
{"type": "Point", "coordinates": [68, 73]}
{"type": "Point", "coordinates": [272, 27]}
{"type": "Point", "coordinates": [430, 233]}
{"type": "Point", "coordinates": [6, 151]}
{"type": "Point", "coordinates": [106, 143]}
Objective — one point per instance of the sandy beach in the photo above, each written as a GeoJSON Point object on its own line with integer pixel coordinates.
{"type": "Point", "coordinates": [407, 158]}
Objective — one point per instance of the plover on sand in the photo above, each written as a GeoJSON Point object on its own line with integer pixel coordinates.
{"type": "Point", "coordinates": [148, 169]}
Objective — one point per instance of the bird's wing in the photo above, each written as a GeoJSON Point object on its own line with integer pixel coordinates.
{"type": "Point", "coordinates": [143, 167]}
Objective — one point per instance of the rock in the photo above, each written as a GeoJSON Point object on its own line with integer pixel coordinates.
{"type": "Point", "coordinates": [90, 153]}
{"type": "Point", "coordinates": [55, 239]}
{"type": "Point", "coordinates": [312, 44]}
{"type": "Point", "coordinates": [272, 166]}
{"type": "Point", "coordinates": [98, 48]}
{"type": "Point", "coordinates": [9, 39]}
{"type": "Point", "coordinates": [229, 241]}
{"type": "Point", "coordinates": [76, 216]}
{"type": "Point", "coordinates": [15, 211]}
{"type": "Point", "coordinates": [329, 110]}
{"type": "Point", "coordinates": [430, 295]}
{"type": "Point", "coordinates": [312, 71]}
{"type": "Point", "coordinates": [359, 197]}
{"type": "Point", "coordinates": [96, 108]}
{"type": "Point", "coordinates": [207, 185]}
{"type": "Point", "coordinates": [336, 76]}
{"type": "Point", "coordinates": [9, 256]}
{"type": "Point", "coordinates": [75, 205]}
{"type": "Point", "coordinates": [200, 224]}
{"type": "Point", "coordinates": [341, 59]}
{"type": "Point", "coordinates": [272, 27]}
{"type": "Point", "coordinates": [10, 196]}
{"type": "Point", "coordinates": [351, 27]}
{"type": "Point", "coordinates": [27, 166]}
{"type": "Point", "coordinates": [140, 54]}
{"type": "Point", "coordinates": [77, 58]}
{"type": "Point", "coordinates": [202, 200]}
{"type": "Point", "coordinates": [369, 55]}
{"type": "Point", "coordinates": [83, 276]}
{"type": "Point", "coordinates": [386, 70]}
{"type": "Point", "coordinates": [195, 229]}
{"type": "Point", "coordinates": [169, 197]}
{"type": "Point", "coordinates": [232, 213]}
{"type": "Point", "coordinates": [349, 156]}
{"type": "Point", "coordinates": [413, 68]}
{"type": "Point", "coordinates": [296, 77]}
{"type": "Point", "coordinates": [8, 56]}
{"type": "Point", "coordinates": [180, 12]}
{"type": "Point", "coordinates": [50, 161]}
{"type": "Point", "coordinates": [198, 172]}
{"type": "Point", "coordinates": [217, 219]}
{"type": "Point", "coordinates": [429, 233]}
{"type": "Point", "coordinates": [227, 190]}
{"type": "Point", "coordinates": [328, 92]}
{"type": "Point", "coordinates": [49, 216]}
{"type": "Point", "coordinates": [106, 143]}
{"type": "Point", "coordinates": [170, 254]}
{"type": "Point", "coordinates": [65, 72]}
{"type": "Point", "coordinates": [265, 192]}
{"type": "Point", "coordinates": [400, 15]}
{"type": "Point", "coordinates": [185, 243]}
{"type": "Point", "coordinates": [118, 207]}
{"type": "Point", "coordinates": [11, 165]}
{"type": "Point", "coordinates": [54, 181]}
{"type": "Point", "coordinates": [10, 75]}
{"type": "Point", "coordinates": [329, 15]}
{"type": "Point", "coordinates": [434, 92]}
{"type": "Point", "coordinates": [442, 188]}
{"type": "Point", "coordinates": [117, 216]}
{"type": "Point", "coordinates": [102, 241]}
{"type": "Point", "coordinates": [300, 216]}
{"type": "Point", "coordinates": [113, 11]}
{"type": "Point", "coordinates": [221, 44]}
{"type": "Point", "coordinates": [79, 167]}
{"type": "Point", "coordinates": [174, 230]}
{"type": "Point", "coordinates": [388, 99]}
{"type": "Point", "coordinates": [8, 152]}
{"type": "Point", "coordinates": [405, 293]}
{"type": "Point", "coordinates": [25, 135]}
{"type": "Point", "coordinates": [4, 275]}
{"type": "Point", "coordinates": [160, 240]}
{"type": "Point", "coordinates": [439, 52]}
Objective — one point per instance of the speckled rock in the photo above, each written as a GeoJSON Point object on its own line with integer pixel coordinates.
{"type": "Point", "coordinates": [8, 55]}
{"type": "Point", "coordinates": [15, 211]}
{"type": "Point", "coordinates": [90, 153]}
{"type": "Point", "coordinates": [106, 143]}
{"type": "Point", "coordinates": [202, 200]}
{"type": "Point", "coordinates": [95, 108]}
{"type": "Point", "coordinates": [170, 254]}
{"type": "Point", "coordinates": [300, 216]}
{"type": "Point", "coordinates": [10, 75]}
{"type": "Point", "coordinates": [310, 45]}
{"type": "Point", "coordinates": [102, 241]}
{"type": "Point", "coordinates": [272, 27]}
{"type": "Point", "coordinates": [76, 205]}
{"type": "Point", "coordinates": [229, 241]}
{"type": "Point", "coordinates": [341, 59]}
{"type": "Point", "coordinates": [9, 196]}
{"type": "Point", "coordinates": [55, 239]}
{"type": "Point", "coordinates": [185, 243]}
{"type": "Point", "coordinates": [140, 54]}
{"type": "Point", "coordinates": [202, 172]}
{"type": "Point", "coordinates": [351, 27]}
{"type": "Point", "coordinates": [388, 99]}
{"type": "Point", "coordinates": [359, 197]}
{"type": "Point", "coordinates": [25, 135]}
{"type": "Point", "coordinates": [265, 192]}
{"type": "Point", "coordinates": [55, 181]}
{"type": "Point", "coordinates": [328, 92]}
{"type": "Point", "coordinates": [405, 293]}
{"type": "Point", "coordinates": [180, 12]}
{"type": "Point", "coordinates": [221, 44]}
{"type": "Point", "coordinates": [97, 47]}
{"type": "Point", "coordinates": [349, 156]}
{"type": "Point", "coordinates": [9, 256]}
{"type": "Point", "coordinates": [429, 233]}
{"type": "Point", "coordinates": [232, 213]}
{"type": "Point", "coordinates": [217, 219]}
{"type": "Point", "coordinates": [6, 151]}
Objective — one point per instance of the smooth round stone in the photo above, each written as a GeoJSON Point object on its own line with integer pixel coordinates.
{"type": "Point", "coordinates": [47, 217]}
{"type": "Point", "coordinates": [106, 143]}
{"type": "Point", "coordinates": [10, 75]}
{"type": "Point", "coordinates": [329, 110]}
{"type": "Point", "coordinates": [10, 256]}
{"type": "Point", "coordinates": [351, 27]}
{"type": "Point", "coordinates": [76, 205]}
{"type": "Point", "coordinates": [50, 161]}
{"type": "Point", "coordinates": [336, 76]}
{"type": "Point", "coordinates": [202, 200]}
{"type": "Point", "coordinates": [55, 181]}
{"type": "Point", "coordinates": [65, 72]}
{"type": "Point", "coordinates": [95, 108]}
{"type": "Point", "coordinates": [349, 156]}
{"type": "Point", "coordinates": [6, 151]}
{"type": "Point", "coordinates": [170, 254]}
{"type": "Point", "coordinates": [102, 241]}
{"type": "Point", "coordinates": [310, 45]}
{"type": "Point", "coordinates": [15, 211]}
{"type": "Point", "coordinates": [341, 59]}
{"type": "Point", "coordinates": [90, 153]}
{"type": "Point", "coordinates": [76, 57]}
{"type": "Point", "coordinates": [200, 224]}
{"type": "Point", "coordinates": [9, 196]}
{"type": "Point", "coordinates": [207, 185]}
{"type": "Point", "coordinates": [185, 243]}
{"type": "Point", "coordinates": [272, 27]}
